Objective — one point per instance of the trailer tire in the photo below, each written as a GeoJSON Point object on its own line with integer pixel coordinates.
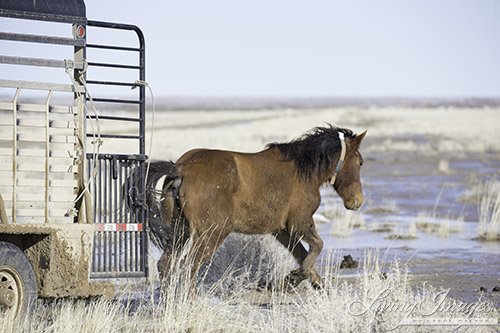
{"type": "Point", "coordinates": [18, 287]}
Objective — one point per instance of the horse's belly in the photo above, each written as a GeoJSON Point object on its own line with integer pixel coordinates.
{"type": "Point", "coordinates": [259, 214]}
{"type": "Point", "coordinates": [249, 227]}
{"type": "Point", "coordinates": [259, 223]}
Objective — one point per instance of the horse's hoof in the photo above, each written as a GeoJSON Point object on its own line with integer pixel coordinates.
{"type": "Point", "coordinates": [294, 278]}
{"type": "Point", "coordinates": [264, 285]}
{"type": "Point", "coordinates": [317, 286]}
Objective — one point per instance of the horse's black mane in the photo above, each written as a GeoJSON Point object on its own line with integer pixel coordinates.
{"type": "Point", "coordinates": [313, 151]}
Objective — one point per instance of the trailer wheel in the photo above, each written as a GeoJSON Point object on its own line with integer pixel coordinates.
{"type": "Point", "coordinates": [18, 288]}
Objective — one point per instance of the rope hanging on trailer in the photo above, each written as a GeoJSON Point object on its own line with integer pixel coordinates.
{"type": "Point", "coordinates": [97, 143]}
{"type": "Point", "coordinates": [144, 83]}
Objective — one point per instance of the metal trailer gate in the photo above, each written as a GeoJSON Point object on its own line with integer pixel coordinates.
{"type": "Point", "coordinates": [120, 246]}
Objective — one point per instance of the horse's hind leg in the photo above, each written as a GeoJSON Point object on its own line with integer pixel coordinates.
{"type": "Point", "coordinates": [202, 250]}
{"type": "Point", "coordinates": [173, 252]}
{"type": "Point", "coordinates": [170, 255]}
{"type": "Point", "coordinates": [179, 233]}
{"type": "Point", "coordinates": [299, 252]}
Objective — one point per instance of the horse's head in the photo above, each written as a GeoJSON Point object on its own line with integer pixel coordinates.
{"type": "Point", "coordinates": [347, 183]}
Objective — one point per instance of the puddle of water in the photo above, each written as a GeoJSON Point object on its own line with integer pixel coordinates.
{"type": "Point", "coordinates": [360, 239]}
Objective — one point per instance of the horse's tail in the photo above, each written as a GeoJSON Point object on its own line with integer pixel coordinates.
{"type": "Point", "coordinates": [158, 169]}
{"type": "Point", "coordinates": [163, 233]}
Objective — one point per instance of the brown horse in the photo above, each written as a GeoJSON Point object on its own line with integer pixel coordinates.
{"type": "Point", "coordinates": [211, 193]}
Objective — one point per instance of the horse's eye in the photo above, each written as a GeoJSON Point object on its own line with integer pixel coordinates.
{"type": "Point", "coordinates": [361, 163]}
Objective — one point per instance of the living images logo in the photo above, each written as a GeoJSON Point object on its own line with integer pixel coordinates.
{"type": "Point", "coordinates": [437, 309]}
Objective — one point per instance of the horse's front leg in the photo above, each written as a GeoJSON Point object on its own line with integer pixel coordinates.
{"type": "Point", "coordinates": [307, 232]}
{"type": "Point", "coordinates": [315, 242]}
{"type": "Point", "coordinates": [299, 252]}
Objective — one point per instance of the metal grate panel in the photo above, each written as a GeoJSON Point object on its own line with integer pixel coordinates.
{"type": "Point", "coordinates": [119, 215]}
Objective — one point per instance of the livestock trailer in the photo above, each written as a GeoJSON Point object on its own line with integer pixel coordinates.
{"type": "Point", "coordinates": [72, 208]}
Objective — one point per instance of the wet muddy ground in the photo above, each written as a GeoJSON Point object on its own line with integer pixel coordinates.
{"type": "Point", "coordinates": [465, 273]}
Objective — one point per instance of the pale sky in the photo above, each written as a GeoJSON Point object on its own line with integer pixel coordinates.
{"type": "Point", "coordinates": [299, 48]}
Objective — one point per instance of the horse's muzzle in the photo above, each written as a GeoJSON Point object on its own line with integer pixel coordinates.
{"type": "Point", "coordinates": [353, 204]}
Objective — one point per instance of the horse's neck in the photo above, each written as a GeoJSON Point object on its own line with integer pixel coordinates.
{"type": "Point", "coordinates": [317, 179]}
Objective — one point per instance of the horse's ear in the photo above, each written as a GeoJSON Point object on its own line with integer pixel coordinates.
{"type": "Point", "coordinates": [356, 141]}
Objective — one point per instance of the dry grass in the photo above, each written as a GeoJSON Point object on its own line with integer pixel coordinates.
{"type": "Point", "coordinates": [489, 211]}
{"type": "Point", "coordinates": [444, 166]}
{"type": "Point", "coordinates": [344, 221]}
{"type": "Point", "coordinates": [430, 222]}
{"type": "Point", "coordinates": [382, 226]}
{"type": "Point", "coordinates": [400, 231]}
{"type": "Point", "coordinates": [386, 206]}
{"type": "Point", "coordinates": [340, 307]}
